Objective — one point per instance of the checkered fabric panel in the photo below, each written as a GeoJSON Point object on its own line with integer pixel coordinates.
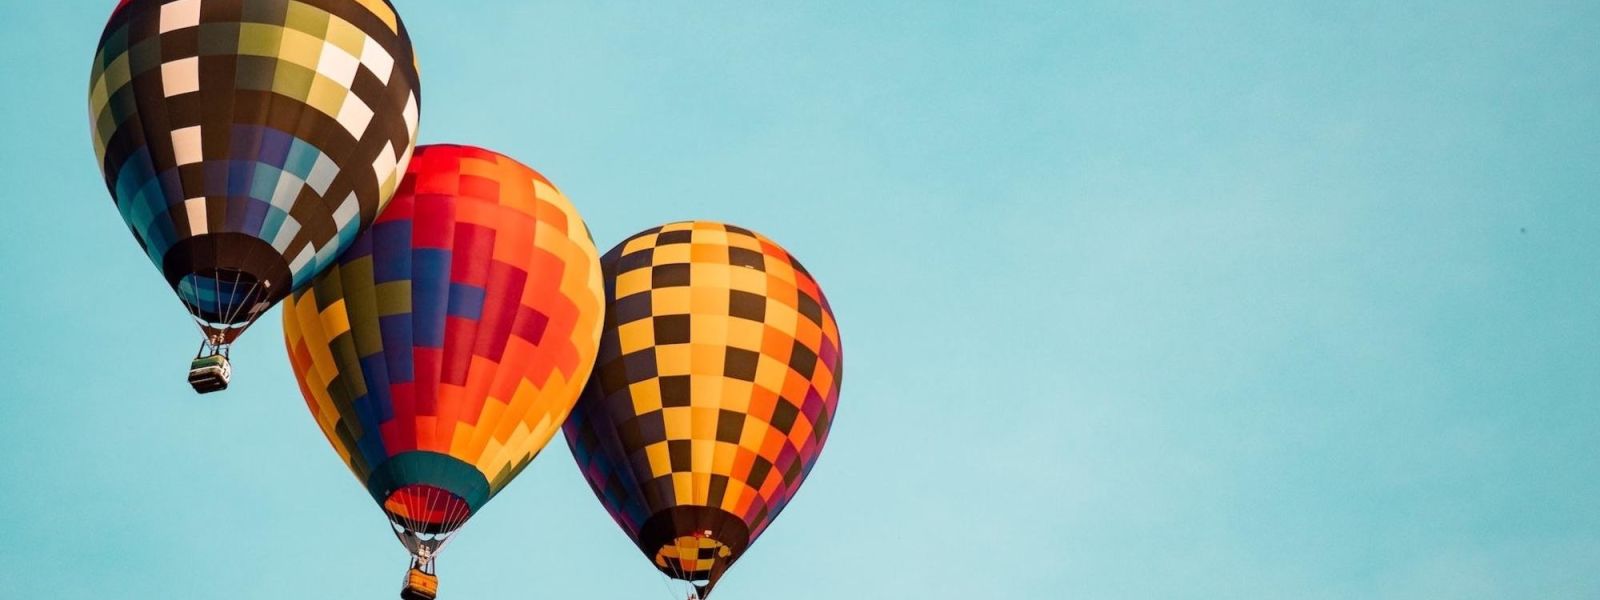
{"type": "Point", "coordinates": [287, 121]}
{"type": "Point", "coordinates": [717, 379]}
{"type": "Point", "coordinates": [463, 324]}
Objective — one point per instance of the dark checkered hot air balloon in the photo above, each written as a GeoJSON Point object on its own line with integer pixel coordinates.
{"type": "Point", "coordinates": [444, 349]}
{"type": "Point", "coordinates": [716, 383]}
{"type": "Point", "coordinates": [248, 142]}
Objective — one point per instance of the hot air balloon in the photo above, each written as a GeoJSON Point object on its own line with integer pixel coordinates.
{"type": "Point", "coordinates": [444, 349]}
{"type": "Point", "coordinates": [248, 142]}
{"type": "Point", "coordinates": [715, 387]}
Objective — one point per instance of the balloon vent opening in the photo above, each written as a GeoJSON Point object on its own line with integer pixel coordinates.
{"type": "Point", "coordinates": [225, 301]}
{"type": "Point", "coordinates": [692, 558]}
{"type": "Point", "coordinates": [425, 509]}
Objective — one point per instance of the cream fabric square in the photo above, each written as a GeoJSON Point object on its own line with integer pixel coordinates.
{"type": "Point", "coordinates": [186, 145]}
{"type": "Point", "coordinates": [196, 207]}
{"type": "Point", "coordinates": [377, 60]}
{"type": "Point", "coordinates": [181, 76]}
{"type": "Point", "coordinates": [355, 115]}
{"type": "Point", "coordinates": [338, 65]}
{"type": "Point", "coordinates": [180, 14]}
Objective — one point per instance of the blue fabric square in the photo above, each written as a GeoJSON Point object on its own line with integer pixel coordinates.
{"type": "Point", "coordinates": [430, 295]}
{"type": "Point", "coordinates": [466, 301]}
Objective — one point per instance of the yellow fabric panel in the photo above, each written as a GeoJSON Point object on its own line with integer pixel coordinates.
{"type": "Point", "coordinates": [639, 243]}
{"type": "Point", "coordinates": [117, 74]}
{"type": "Point", "coordinates": [703, 425]}
{"type": "Point", "coordinates": [326, 95]}
{"type": "Point", "coordinates": [493, 409]}
{"type": "Point", "coordinates": [394, 298]}
{"type": "Point", "coordinates": [646, 396]}
{"type": "Point", "coordinates": [744, 241]}
{"type": "Point", "coordinates": [335, 320]}
{"type": "Point", "coordinates": [670, 301]}
{"type": "Point", "coordinates": [524, 398]}
{"type": "Point", "coordinates": [755, 432]}
{"type": "Point", "coordinates": [300, 48]}
{"type": "Point", "coordinates": [742, 333]}
{"type": "Point", "coordinates": [672, 359]}
{"type": "Point", "coordinates": [705, 392]}
{"type": "Point", "coordinates": [722, 457]}
{"type": "Point", "coordinates": [633, 282]}
{"type": "Point", "coordinates": [710, 302]}
{"type": "Point", "coordinates": [670, 254]}
{"type": "Point", "coordinates": [683, 488]}
{"type": "Point", "coordinates": [637, 335]}
{"type": "Point", "coordinates": [383, 12]}
{"type": "Point", "coordinates": [701, 480]}
{"type": "Point", "coordinates": [770, 373]}
{"type": "Point", "coordinates": [782, 317]}
{"type": "Point", "coordinates": [780, 271]}
{"type": "Point", "coordinates": [702, 454]}
{"type": "Point", "coordinates": [316, 338]}
{"type": "Point", "coordinates": [704, 359]}
{"type": "Point", "coordinates": [715, 238]}
{"type": "Point", "coordinates": [735, 395]}
{"type": "Point", "coordinates": [314, 20]}
{"type": "Point", "coordinates": [677, 421]}
{"type": "Point", "coordinates": [713, 281]}
{"type": "Point", "coordinates": [660, 463]}
{"type": "Point", "coordinates": [461, 441]}
{"type": "Point", "coordinates": [346, 36]}
{"type": "Point", "coordinates": [261, 39]}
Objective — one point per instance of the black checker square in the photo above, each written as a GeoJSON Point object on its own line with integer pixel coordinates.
{"type": "Point", "coordinates": [678, 451]}
{"type": "Point", "coordinates": [682, 236]}
{"type": "Point", "coordinates": [672, 275]}
{"type": "Point", "coordinates": [745, 257]}
{"type": "Point", "coordinates": [819, 430]}
{"type": "Point", "coordinates": [745, 305]}
{"type": "Point", "coordinates": [648, 428]}
{"type": "Point", "coordinates": [718, 489]}
{"type": "Point", "coordinates": [809, 307]}
{"type": "Point", "coordinates": [675, 390]}
{"type": "Point", "coordinates": [654, 496]}
{"type": "Point", "coordinates": [783, 416]}
{"type": "Point", "coordinates": [791, 474]}
{"type": "Point", "coordinates": [630, 308]}
{"type": "Point", "coordinates": [635, 260]}
{"type": "Point", "coordinates": [671, 329]}
{"type": "Point", "coordinates": [758, 472]}
{"type": "Point", "coordinates": [631, 434]}
{"type": "Point", "coordinates": [801, 359]}
{"type": "Point", "coordinates": [641, 365]}
{"type": "Point", "coordinates": [730, 426]}
{"type": "Point", "coordinates": [740, 364]}
{"type": "Point", "coordinates": [613, 377]}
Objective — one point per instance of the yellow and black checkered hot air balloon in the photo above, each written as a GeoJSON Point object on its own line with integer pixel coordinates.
{"type": "Point", "coordinates": [718, 374]}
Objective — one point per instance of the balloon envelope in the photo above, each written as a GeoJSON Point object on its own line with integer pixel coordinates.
{"type": "Point", "coordinates": [247, 143]}
{"type": "Point", "coordinates": [716, 384]}
{"type": "Point", "coordinates": [444, 349]}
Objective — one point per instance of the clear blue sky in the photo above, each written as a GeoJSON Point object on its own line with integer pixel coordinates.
{"type": "Point", "coordinates": [1140, 300]}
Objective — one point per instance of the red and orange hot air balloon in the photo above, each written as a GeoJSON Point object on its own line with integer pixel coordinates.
{"type": "Point", "coordinates": [444, 349]}
{"type": "Point", "coordinates": [716, 384]}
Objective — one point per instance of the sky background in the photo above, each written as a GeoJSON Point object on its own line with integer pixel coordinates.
{"type": "Point", "coordinates": [1139, 300]}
